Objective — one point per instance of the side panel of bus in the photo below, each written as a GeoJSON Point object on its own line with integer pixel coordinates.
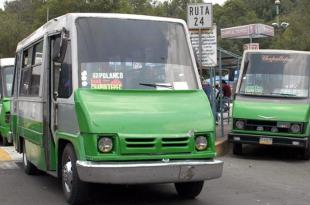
{"type": "Point", "coordinates": [28, 103]}
{"type": "Point", "coordinates": [42, 122]}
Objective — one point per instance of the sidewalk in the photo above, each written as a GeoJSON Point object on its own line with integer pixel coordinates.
{"type": "Point", "coordinates": [222, 142]}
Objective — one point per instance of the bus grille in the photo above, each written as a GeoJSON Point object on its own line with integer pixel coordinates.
{"type": "Point", "coordinates": [155, 145]}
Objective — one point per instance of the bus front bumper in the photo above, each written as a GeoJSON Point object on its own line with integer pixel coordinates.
{"type": "Point", "coordinates": [273, 140]}
{"type": "Point", "coordinates": [149, 172]}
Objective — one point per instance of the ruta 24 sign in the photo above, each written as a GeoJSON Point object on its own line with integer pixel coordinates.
{"type": "Point", "coordinates": [199, 16]}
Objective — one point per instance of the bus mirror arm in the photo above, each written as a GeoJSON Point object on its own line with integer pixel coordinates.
{"type": "Point", "coordinates": [60, 50]}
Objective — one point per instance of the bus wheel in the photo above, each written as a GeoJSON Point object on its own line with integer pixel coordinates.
{"type": "Point", "coordinates": [189, 190]}
{"type": "Point", "coordinates": [74, 189]}
{"type": "Point", "coordinates": [29, 168]}
{"type": "Point", "coordinates": [306, 154]}
{"type": "Point", "coordinates": [237, 148]}
{"type": "Point", "coordinates": [5, 141]}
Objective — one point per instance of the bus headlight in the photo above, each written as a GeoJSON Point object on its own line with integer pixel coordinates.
{"type": "Point", "coordinates": [240, 124]}
{"type": "Point", "coordinates": [105, 144]}
{"type": "Point", "coordinates": [201, 143]}
{"type": "Point", "coordinates": [295, 128]}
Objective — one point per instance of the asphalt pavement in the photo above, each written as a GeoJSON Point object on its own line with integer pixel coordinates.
{"type": "Point", "coordinates": [262, 176]}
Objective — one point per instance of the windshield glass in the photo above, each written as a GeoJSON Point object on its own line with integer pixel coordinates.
{"type": "Point", "coordinates": [7, 79]}
{"type": "Point", "coordinates": [276, 74]}
{"type": "Point", "coordinates": [133, 54]}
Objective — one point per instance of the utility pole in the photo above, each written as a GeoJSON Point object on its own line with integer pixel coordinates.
{"type": "Point", "coordinates": [47, 14]}
{"type": "Point", "coordinates": [277, 3]}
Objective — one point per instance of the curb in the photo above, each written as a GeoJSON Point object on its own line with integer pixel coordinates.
{"type": "Point", "coordinates": [4, 155]}
{"type": "Point", "coordinates": [222, 147]}
{"type": "Point", "coordinates": [9, 154]}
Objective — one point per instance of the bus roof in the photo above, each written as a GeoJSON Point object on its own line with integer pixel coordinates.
{"type": "Point", "coordinates": [276, 51]}
{"type": "Point", "coordinates": [7, 62]}
{"type": "Point", "coordinates": [67, 20]}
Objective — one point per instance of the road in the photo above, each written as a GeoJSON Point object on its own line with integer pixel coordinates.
{"type": "Point", "coordinates": [263, 176]}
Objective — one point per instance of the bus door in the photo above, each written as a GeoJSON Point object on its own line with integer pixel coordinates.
{"type": "Point", "coordinates": [62, 118]}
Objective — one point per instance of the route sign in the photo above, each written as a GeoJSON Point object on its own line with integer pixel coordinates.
{"type": "Point", "coordinates": [251, 46]}
{"type": "Point", "coordinates": [199, 16]}
{"type": "Point", "coordinates": [208, 46]}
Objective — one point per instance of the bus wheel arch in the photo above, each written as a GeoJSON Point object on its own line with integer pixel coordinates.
{"type": "Point", "coordinates": [62, 143]}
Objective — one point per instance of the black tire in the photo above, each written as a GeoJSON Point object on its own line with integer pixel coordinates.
{"type": "Point", "coordinates": [74, 189]}
{"type": "Point", "coordinates": [29, 168]}
{"type": "Point", "coordinates": [237, 149]}
{"type": "Point", "coordinates": [189, 190]}
{"type": "Point", "coordinates": [306, 154]}
{"type": "Point", "coordinates": [5, 141]}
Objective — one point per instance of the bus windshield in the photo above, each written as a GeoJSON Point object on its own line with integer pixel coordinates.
{"type": "Point", "coordinates": [278, 74]}
{"type": "Point", "coordinates": [133, 54]}
{"type": "Point", "coordinates": [7, 80]}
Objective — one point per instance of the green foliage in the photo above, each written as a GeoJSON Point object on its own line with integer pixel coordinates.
{"type": "Point", "coordinates": [21, 17]}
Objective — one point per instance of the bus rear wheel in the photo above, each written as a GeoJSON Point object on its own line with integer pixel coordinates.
{"type": "Point", "coordinates": [189, 190]}
{"type": "Point", "coordinates": [74, 189]}
{"type": "Point", "coordinates": [237, 148]}
{"type": "Point", "coordinates": [29, 168]}
{"type": "Point", "coordinates": [5, 141]}
{"type": "Point", "coordinates": [306, 154]}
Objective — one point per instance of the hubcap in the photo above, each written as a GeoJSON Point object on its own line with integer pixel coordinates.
{"type": "Point", "coordinates": [67, 175]}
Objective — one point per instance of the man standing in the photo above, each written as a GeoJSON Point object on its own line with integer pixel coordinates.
{"type": "Point", "coordinates": [226, 89]}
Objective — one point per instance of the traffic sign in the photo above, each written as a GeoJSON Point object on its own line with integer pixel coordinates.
{"type": "Point", "coordinates": [199, 16]}
{"type": "Point", "coordinates": [208, 46]}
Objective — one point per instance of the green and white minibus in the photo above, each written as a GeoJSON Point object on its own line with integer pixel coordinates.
{"type": "Point", "coordinates": [6, 79]}
{"type": "Point", "coordinates": [114, 99]}
{"type": "Point", "coordinates": [271, 105]}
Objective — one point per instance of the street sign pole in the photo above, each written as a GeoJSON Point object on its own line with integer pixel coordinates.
{"type": "Point", "coordinates": [212, 84]}
{"type": "Point", "coordinates": [200, 54]}
{"type": "Point", "coordinates": [221, 95]}
{"type": "Point", "coordinates": [204, 41]}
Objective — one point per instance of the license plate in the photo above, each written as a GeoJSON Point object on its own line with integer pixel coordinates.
{"type": "Point", "coordinates": [265, 141]}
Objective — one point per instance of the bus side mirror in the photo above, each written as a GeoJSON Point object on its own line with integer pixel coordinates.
{"type": "Point", "coordinates": [59, 50]}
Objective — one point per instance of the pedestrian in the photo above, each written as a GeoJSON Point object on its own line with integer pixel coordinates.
{"type": "Point", "coordinates": [226, 89]}
{"type": "Point", "coordinates": [207, 88]}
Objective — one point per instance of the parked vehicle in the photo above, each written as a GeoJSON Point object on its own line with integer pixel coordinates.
{"type": "Point", "coordinates": [6, 79]}
{"type": "Point", "coordinates": [115, 99]}
{"type": "Point", "coordinates": [271, 105]}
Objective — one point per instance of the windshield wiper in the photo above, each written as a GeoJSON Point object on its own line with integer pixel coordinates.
{"type": "Point", "coordinates": [154, 85]}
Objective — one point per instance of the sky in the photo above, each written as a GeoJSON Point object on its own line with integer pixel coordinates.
{"type": "Point", "coordinates": [2, 3]}
{"type": "Point", "coordinates": [207, 1]}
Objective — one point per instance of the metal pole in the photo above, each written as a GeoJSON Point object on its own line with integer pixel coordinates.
{"type": "Point", "coordinates": [213, 93]}
{"type": "Point", "coordinates": [278, 12]}
{"type": "Point", "coordinates": [200, 54]}
{"type": "Point", "coordinates": [47, 14]}
{"type": "Point", "coordinates": [221, 94]}
{"type": "Point", "coordinates": [211, 84]}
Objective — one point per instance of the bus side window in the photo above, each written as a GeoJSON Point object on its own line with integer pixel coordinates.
{"type": "Point", "coordinates": [36, 69]}
{"type": "Point", "coordinates": [31, 70]}
{"type": "Point", "coordinates": [62, 74]}
{"type": "Point", "coordinates": [15, 78]}
{"type": "Point", "coordinates": [25, 73]}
